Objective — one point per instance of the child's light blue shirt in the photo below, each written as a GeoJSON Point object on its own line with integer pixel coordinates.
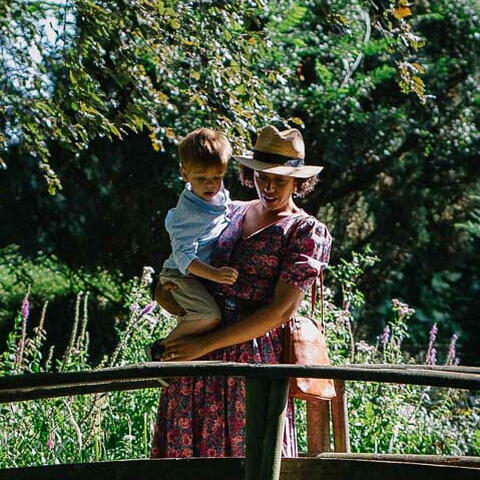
{"type": "Point", "coordinates": [194, 225]}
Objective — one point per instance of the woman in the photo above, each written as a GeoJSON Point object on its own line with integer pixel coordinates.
{"type": "Point", "coordinates": [278, 251]}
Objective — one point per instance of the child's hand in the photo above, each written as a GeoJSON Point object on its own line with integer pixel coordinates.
{"type": "Point", "coordinates": [225, 275]}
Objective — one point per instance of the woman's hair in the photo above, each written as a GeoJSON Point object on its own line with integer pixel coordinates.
{"type": "Point", "coordinates": [303, 186]}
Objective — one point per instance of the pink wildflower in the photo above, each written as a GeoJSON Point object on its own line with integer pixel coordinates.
{"type": "Point", "coordinates": [148, 309]}
{"type": "Point", "coordinates": [134, 308]}
{"type": "Point", "coordinates": [431, 352]}
{"type": "Point", "coordinates": [385, 336]}
{"type": "Point", "coordinates": [452, 354]}
{"type": "Point", "coordinates": [51, 442]}
{"type": "Point", "coordinates": [25, 308]}
{"type": "Point", "coordinates": [402, 308]}
{"type": "Point", "coordinates": [364, 347]}
{"type": "Point", "coordinates": [433, 333]}
{"type": "Point", "coordinates": [432, 356]}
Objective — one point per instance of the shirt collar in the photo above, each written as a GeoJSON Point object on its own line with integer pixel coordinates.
{"type": "Point", "coordinates": [217, 207]}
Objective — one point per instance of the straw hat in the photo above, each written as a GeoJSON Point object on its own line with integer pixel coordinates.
{"type": "Point", "coordinates": [280, 153]}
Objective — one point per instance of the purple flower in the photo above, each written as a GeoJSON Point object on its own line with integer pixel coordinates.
{"type": "Point", "coordinates": [433, 333]}
{"type": "Point", "coordinates": [402, 308]}
{"type": "Point", "coordinates": [431, 352]}
{"type": "Point", "coordinates": [134, 308]}
{"type": "Point", "coordinates": [51, 442]}
{"type": "Point", "coordinates": [385, 336]}
{"type": "Point", "coordinates": [452, 354]}
{"type": "Point", "coordinates": [25, 308]}
{"type": "Point", "coordinates": [148, 309]}
{"type": "Point", "coordinates": [432, 356]}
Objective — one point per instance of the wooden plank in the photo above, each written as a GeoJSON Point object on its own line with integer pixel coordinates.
{"type": "Point", "coordinates": [161, 469]}
{"type": "Point", "coordinates": [407, 366]}
{"type": "Point", "coordinates": [120, 377]}
{"type": "Point", "coordinates": [54, 392]}
{"type": "Point", "coordinates": [266, 407]}
{"type": "Point", "coordinates": [349, 469]}
{"type": "Point", "coordinates": [234, 469]}
{"type": "Point", "coordinates": [465, 461]}
{"type": "Point", "coordinates": [318, 427]}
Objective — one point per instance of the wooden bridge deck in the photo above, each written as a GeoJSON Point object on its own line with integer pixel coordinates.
{"type": "Point", "coordinates": [333, 467]}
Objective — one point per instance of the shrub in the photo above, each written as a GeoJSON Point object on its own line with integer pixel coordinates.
{"type": "Point", "coordinates": [383, 418]}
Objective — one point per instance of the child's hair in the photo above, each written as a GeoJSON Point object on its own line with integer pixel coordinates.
{"type": "Point", "coordinates": [206, 148]}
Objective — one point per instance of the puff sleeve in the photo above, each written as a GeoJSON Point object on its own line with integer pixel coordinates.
{"type": "Point", "coordinates": [308, 252]}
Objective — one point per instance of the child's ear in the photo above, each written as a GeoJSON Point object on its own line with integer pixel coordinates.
{"type": "Point", "coordinates": [183, 173]}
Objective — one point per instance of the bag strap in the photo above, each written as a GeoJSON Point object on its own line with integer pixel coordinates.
{"type": "Point", "coordinates": [313, 300]}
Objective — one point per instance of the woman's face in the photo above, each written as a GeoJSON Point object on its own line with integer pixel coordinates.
{"type": "Point", "coordinates": [274, 191]}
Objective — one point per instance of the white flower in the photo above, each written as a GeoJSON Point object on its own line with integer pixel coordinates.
{"type": "Point", "coordinates": [363, 346]}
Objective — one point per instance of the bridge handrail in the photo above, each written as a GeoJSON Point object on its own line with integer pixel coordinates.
{"type": "Point", "coordinates": [146, 375]}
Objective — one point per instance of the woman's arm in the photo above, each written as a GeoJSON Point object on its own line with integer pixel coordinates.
{"type": "Point", "coordinates": [285, 303]}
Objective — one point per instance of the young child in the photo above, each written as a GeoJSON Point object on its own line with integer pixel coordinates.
{"type": "Point", "coordinates": [193, 226]}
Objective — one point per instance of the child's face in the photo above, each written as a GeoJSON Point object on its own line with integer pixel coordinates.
{"type": "Point", "coordinates": [205, 182]}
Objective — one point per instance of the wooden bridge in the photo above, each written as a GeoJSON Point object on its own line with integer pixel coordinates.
{"type": "Point", "coordinates": [267, 392]}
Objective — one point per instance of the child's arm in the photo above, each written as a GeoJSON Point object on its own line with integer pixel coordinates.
{"type": "Point", "coordinates": [226, 275]}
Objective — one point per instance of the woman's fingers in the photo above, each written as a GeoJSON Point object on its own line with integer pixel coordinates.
{"type": "Point", "coordinates": [184, 348]}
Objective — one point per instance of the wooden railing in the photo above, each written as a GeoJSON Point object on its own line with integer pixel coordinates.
{"type": "Point", "coordinates": [267, 392]}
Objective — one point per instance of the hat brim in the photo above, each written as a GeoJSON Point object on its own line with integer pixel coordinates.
{"type": "Point", "coordinates": [274, 168]}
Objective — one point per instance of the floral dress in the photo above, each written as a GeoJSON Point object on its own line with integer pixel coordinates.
{"type": "Point", "coordinates": [205, 416]}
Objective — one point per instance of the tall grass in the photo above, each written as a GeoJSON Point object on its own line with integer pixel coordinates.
{"type": "Point", "coordinates": [118, 425]}
{"type": "Point", "coordinates": [86, 427]}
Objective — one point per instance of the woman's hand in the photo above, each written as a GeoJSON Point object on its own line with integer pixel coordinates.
{"type": "Point", "coordinates": [186, 348]}
{"type": "Point", "coordinates": [164, 298]}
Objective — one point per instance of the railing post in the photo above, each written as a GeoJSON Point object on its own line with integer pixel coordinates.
{"type": "Point", "coordinates": [265, 424]}
{"type": "Point", "coordinates": [256, 415]}
{"type": "Point", "coordinates": [341, 436]}
{"type": "Point", "coordinates": [275, 429]}
{"type": "Point", "coordinates": [318, 426]}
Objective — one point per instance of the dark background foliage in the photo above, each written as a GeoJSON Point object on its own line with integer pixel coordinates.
{"type": "Point", "coordinates": [401, 169]}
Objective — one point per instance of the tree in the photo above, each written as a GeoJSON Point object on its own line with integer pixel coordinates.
{"type": "Point", "coordinates": [80, 70]}
{"type": "Point", "coordinates": [399, 174]}
{"type": "Point", "coordinates": [120, 82]}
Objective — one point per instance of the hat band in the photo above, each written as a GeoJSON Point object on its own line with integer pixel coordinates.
{"type": "Point", "coordinates": [279, 159]}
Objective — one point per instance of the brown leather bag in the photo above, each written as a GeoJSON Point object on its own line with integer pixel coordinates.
{"type": "Point", "coordinates": [305, 344]}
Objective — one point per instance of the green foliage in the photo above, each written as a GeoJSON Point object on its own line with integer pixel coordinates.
{"type": "Point", "coordinates": [472, 225]}
{"type": "Point", "coordinates": [52, 287]}
{"type": "Point", "coordinates": [52, 279]}
{"type": "Point", "coordinates": [86, 427]}
{"type": "Point", "coordinates": [398, 175]}
{"type": "Point", "coordinates": [119, 425]}
{"type": "Point", "coordinates": [386, 418]}
{"type": "Point", "coordinates": [88, 69]}
{"type": "Point", "coordinates": [119, 67]}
